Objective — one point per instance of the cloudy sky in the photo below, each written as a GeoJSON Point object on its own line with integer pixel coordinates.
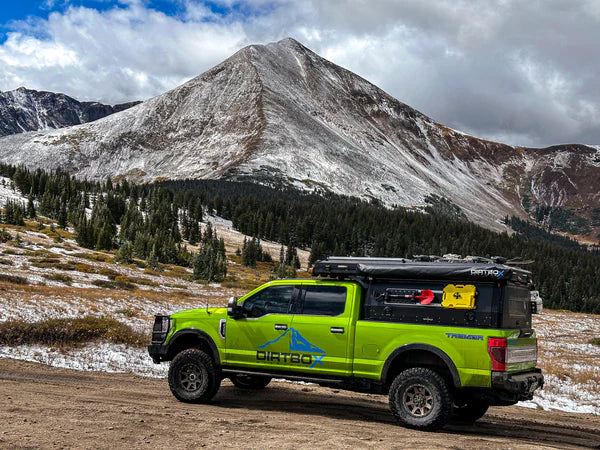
{"type": "Point", "coordinates": [521, 72]}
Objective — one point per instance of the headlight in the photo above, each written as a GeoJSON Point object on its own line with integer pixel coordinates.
{"type": "Point", "coordinates": [161, 327]}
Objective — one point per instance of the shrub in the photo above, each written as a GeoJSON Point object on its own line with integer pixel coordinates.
{"type": "Point", "coordinates": [6, 262]}
{"type": "Point", "coordinates": [122, 279]}
{"type": "Point", "coordinates": [85, 268]}
{"type": "Point", "coordinates": [143, 281]}
{"type": "Point", "coordinates": [94, 257]}
{"type": "Point", "coordinates": [111, 274]}
{"type": "Point", "coordinates": [127, 312]}
{"type": "Point", "coordinates": [149, 271]}
{"type": "Point", "coordinates": [595, 341]}
{"type": "Point", "coordinates": [69, 331]}
{"type": "Point", "coordinates": [61, 278]}
{"type": "Point", "coordinates": [15, 279]}
{"type": "Point", "coordinates": [53, 264]}
{"type": "Point", "coordinates": [114, 284]}
{"type": "Point", "coordinates": [5, 236]}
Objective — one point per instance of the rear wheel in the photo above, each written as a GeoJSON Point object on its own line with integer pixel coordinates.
{"type": "Point", "coordinates": [254, 382]}
{"type": "Point", "coordinates": [420, 399]}
{"type": "Point", "coordinates": [470, 411]}
{"type": "Point", "coordinates": [193, 377]}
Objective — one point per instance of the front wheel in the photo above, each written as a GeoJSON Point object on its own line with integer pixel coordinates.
{"type": "Point", "coordinates": [253, 382]}
{"type": "Point", "coordinates": [193, 377]}
{"type": "Point", "coordinates": [420, 399]}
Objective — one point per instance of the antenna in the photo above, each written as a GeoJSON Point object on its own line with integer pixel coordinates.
{"type": "Point", "coordinates": [207, 311]}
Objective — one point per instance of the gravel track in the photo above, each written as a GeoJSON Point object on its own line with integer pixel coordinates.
{"type": "Point", "coordinates": [48, 407]}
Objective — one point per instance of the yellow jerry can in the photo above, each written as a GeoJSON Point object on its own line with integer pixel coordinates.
{"type": "Point", "coordinates": [459, 296]}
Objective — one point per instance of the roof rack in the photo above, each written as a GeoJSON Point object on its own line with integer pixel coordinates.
{"type": "Point", "coordinates": [447, 267]}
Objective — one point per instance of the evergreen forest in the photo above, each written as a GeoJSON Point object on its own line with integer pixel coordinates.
{"type": "Point", "coordinates": [157, 221]}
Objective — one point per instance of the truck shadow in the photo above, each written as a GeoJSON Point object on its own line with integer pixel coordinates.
{"type": "Point", "coordinates": [374, 408]}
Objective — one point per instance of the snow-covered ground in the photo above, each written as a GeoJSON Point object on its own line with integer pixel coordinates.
{"type": "Point", "coordinates": [570, 362]}
{"type": "Point", "coordinates": [234, 239]}
{"type": "Point", "coordinates": [97, 357]}
{"type": "Point", "coordinates": [9, 194]}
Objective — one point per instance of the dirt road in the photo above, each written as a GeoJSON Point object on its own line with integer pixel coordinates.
{"type": "Point", "coordinates": [47, 407]}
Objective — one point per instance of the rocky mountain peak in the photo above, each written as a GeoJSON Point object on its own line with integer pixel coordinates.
{"type": "Point", "coordinates": [26, 109]}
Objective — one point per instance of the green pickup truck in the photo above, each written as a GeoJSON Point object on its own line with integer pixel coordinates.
{"type": "Point", "coordinates": [442, 338]}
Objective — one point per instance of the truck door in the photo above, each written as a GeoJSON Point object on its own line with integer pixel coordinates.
{"type": "Point", "coordinates": [259, 338]}
{"type": "Point", "coordinates": [321, 328]}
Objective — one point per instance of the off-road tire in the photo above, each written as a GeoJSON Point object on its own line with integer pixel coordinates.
{"type": "Point", "coordinates": [420, 399]}
{"type": "Point", "coordinates": [253, 382]}
{"type": "Point", "coordinates": [193, 377]}
{"type": "Point", "coordinates": [470, 411]}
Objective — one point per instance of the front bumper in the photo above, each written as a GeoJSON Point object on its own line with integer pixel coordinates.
{"type": "Point", "coordinates": [520, 386]}
{"type": "Point", "coordinates": [158, 352]}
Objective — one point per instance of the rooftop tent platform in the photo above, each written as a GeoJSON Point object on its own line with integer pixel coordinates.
{"type": "Point", "coordinates": [423, 268]}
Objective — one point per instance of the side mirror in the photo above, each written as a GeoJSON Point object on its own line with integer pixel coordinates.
{"type": "Point", "coordinates": [233, 309]}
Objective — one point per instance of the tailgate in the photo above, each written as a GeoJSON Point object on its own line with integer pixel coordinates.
{"type": "Point", "coordinates": [521, 354]}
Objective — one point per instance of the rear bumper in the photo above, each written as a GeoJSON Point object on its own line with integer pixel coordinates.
{"type": "Point", "coordinates": [158, 352]}
{"type": "Point", "coordinates": [517, 386]}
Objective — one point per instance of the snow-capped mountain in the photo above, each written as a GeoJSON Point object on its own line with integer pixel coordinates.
{"type": "Point", "coordinates": [28, 110]}
{"type": "Point", "coordinates": [280, 112]}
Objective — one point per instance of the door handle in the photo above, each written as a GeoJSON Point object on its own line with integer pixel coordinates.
{"type": "Point", "coordinates": [280, 326]}
{"type": "Point", "coordinates": [339, 330]}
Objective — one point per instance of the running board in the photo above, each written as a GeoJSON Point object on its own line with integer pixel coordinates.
{"type": "Point", "coordinates": [287, 377]}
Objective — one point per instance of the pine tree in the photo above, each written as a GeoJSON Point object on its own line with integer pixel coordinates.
{"type": "Point", "coordinates": [317, 251]}
{"type": "Point", "coordinates": [125, 254]}
{"type": "Point", "coordinates": [153, 259]}
{"type": "Point", "coordinates": [62, 217]}
{"type": "Point", "coordinates": [31, 212]}
{"type": "Point", "coordinates": [194, 233]}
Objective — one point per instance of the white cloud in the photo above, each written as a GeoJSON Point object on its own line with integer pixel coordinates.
{"type": "Point", "coordinates": [116, 55]}
{"type": "Point", "coordinates": [525, 72]}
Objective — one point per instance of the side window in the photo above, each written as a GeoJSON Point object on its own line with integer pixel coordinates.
{"type": "Point", "coordinates": [272, 300]}
{"type": "Point", "coordinates": [324, 300]}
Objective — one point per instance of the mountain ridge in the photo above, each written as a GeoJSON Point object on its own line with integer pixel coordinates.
{"type": "Point", "coordinates": [25, 109]}
{"type": "Point", "coordinates": [280, 113]}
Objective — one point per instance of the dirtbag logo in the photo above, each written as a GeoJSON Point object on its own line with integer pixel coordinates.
{"type": "Point", "coordinates": [301, 351]}
{"type": "Point", "coordinates": [495, 273]}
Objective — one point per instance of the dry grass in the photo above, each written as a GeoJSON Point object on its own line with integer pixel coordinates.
{"type": "Point", "coordinates": [564, 340]}
{"type": "Point", "coordinates": [69, 332]}
{"type": "Point", "coordinates": [95, 294]}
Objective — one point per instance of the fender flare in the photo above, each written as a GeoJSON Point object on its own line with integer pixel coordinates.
{"type": "Point", "coordinates": [205, 337]}
{"type": "Point", "coordinates": [425, 348]}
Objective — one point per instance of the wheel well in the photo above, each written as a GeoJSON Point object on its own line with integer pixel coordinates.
{"type": "Point", "coordinates": [419, 358]}
{"type": "Point", "coordinates": [191, 340]}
